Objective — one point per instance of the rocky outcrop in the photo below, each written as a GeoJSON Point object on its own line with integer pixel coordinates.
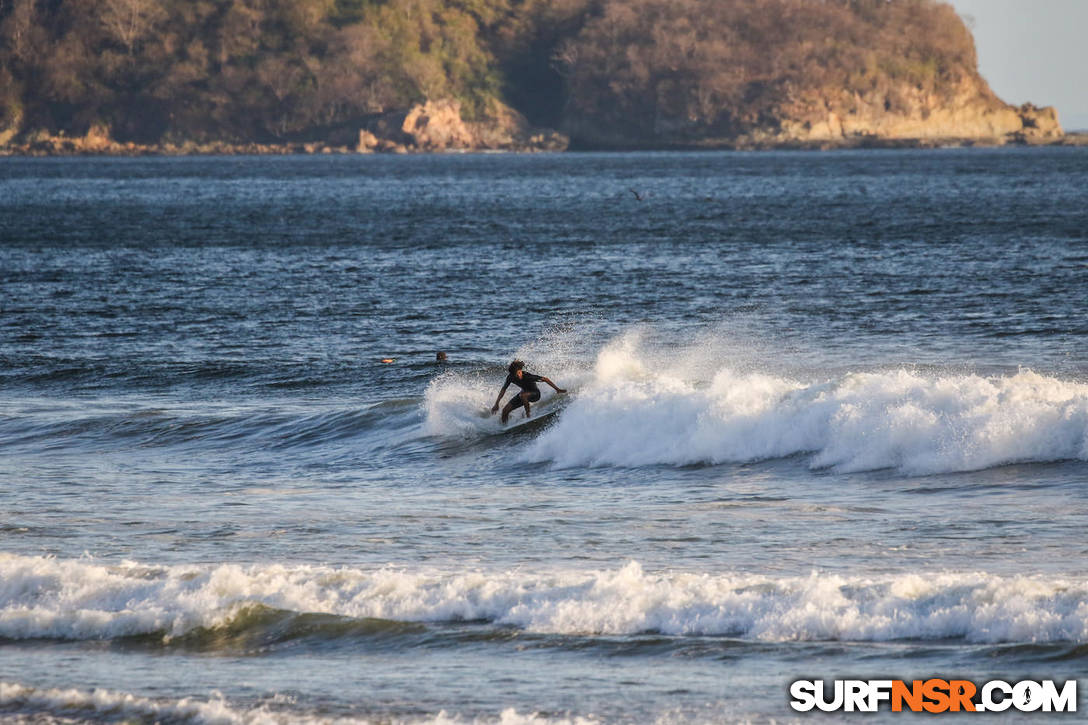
{"type": "Point", "coordinates": [97, 140]}
{"type": "Point", "coordinates": [837, 120]}
{"type": "Point", "coordinates": [437, 126]}
{"type": "Point", "coordinates": [968, 114]}
{"type": "Point", "coordinates": [9, 127]}
{"type": "Point", "coordinates": [902, 117]}
{"type": "Point", "coordinates": [97, 143]}
{"type": "Point", "coordinates": [434, 126]}
{"type": "Point", "coordinates": [1039, 124]}
{"type": "Point", "coordinates": [440, 126]}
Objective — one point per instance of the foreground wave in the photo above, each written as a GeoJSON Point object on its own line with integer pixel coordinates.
{"type": "Point", "coordinates": [635, 409]}
{"type": "Point", "coordinates": [81, 599]}
{"type": "Point", "coordinates": [67, 705]}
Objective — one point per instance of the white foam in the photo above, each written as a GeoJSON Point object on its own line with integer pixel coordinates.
{"type": "Point", "coordinates": [65, 703]}
{"type": "Point", "coordinates": [457, 406]}
{"type": "Point", "coordinates": [80, 599]}
{"type": "Point", "coordinates": [73, 702]}
{"type": "Point", "coordinates": [638, 409]}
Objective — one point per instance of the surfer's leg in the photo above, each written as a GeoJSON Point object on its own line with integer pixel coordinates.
{"type": "Point", "coordinates": [529, 396]}
{"type": "Point", "coordinates": [520, 400]}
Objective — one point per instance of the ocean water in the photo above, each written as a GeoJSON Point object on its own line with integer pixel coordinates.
{"type": "Point", "coordinates": [828, 418]}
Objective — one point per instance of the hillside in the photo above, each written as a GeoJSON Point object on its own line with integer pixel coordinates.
{"type": "Point", "coordinates": [781, 72]}
{"type": "Point", "coordinates": [190, 75]}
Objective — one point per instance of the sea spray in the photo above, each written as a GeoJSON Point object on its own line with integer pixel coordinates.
{"type": "Point", "coordinates": [457, 404]}
{"type": "Point", "coordinates": [636, 411]}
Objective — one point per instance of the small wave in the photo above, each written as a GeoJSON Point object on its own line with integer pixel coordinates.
{"type": "Point", "coordinates": [62, 705]}
{"type": "Point", "coordinates": [42, 598]}
{"type": "Point", "coordinates": [638, 411]}
{"type": "Point", "coordinates": [254, 628]}
{"type": "Point", "coordinates": [60, 426]}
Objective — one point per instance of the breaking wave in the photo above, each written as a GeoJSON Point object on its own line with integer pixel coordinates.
{"type": "Point", "coordinates": [81, 599]}
{"type": "Point", "coordinates": [638, 409]}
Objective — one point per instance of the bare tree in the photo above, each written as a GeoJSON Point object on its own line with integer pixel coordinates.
{"type": "Point", "coordinates": [130, 21]}
{"type": "Point", "coordinates": [18, 28]}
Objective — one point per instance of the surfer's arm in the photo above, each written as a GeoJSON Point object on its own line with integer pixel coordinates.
{"type": "Point", "coordinates": [499, 399]}
{"type": "Point", "coordinates": [554, 386]}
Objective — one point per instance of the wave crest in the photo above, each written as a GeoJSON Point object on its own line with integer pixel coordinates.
{"type": "Point", "coordinates": [48, 598]}
{"type": "Point", "coordinates": [634, 413]}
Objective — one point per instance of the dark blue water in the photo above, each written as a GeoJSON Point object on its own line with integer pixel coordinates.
{"type": "Point", "coordinates": [828, 416]}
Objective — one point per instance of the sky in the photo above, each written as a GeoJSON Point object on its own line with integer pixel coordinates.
{"type": "Point", "coordinates": [1034, 50]}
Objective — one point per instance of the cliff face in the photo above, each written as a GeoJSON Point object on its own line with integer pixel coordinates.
{"type": "Point", "coordinates": [834, 120]}
{"type": "Point", "coordinates": [971, 113]}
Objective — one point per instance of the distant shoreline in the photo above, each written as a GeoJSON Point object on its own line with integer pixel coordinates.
{"type": "Point", "coordinates": [65, 147]}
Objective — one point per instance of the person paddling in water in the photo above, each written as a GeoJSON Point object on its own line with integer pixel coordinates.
{"type": "Point", "coordinates": [530, 393]}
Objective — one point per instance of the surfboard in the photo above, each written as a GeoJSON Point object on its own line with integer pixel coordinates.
{"type": "Point", "coordinates": [544, 412]}
{"type": "Point", "coordinates": [529, 425]}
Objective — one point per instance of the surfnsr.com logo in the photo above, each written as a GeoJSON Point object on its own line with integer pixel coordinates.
{"type": "Point", "coordinates": [933, 695]}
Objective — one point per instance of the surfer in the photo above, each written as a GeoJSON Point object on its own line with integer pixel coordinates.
{"type": "Point", "coordinates": [530, 393]}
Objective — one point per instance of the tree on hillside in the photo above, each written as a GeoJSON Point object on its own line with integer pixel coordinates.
{"type": "Point", "coordinates": [130, 21]}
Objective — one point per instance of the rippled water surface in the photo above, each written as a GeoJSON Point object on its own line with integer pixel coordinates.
{"type": "Point", "coordinates": [827, 416]}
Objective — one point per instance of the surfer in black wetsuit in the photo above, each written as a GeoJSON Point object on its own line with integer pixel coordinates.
{"type": "Point", "coordinates": [530, 393]}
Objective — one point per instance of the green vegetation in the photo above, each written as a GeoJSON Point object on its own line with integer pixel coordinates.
{"type": "Point", "coordinates": [689, 69]}
{"type": "Point", "coordinates": [272, 70]}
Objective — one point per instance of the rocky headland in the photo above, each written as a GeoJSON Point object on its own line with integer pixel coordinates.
{"type": "Point", "coordinates": [421, 76]}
